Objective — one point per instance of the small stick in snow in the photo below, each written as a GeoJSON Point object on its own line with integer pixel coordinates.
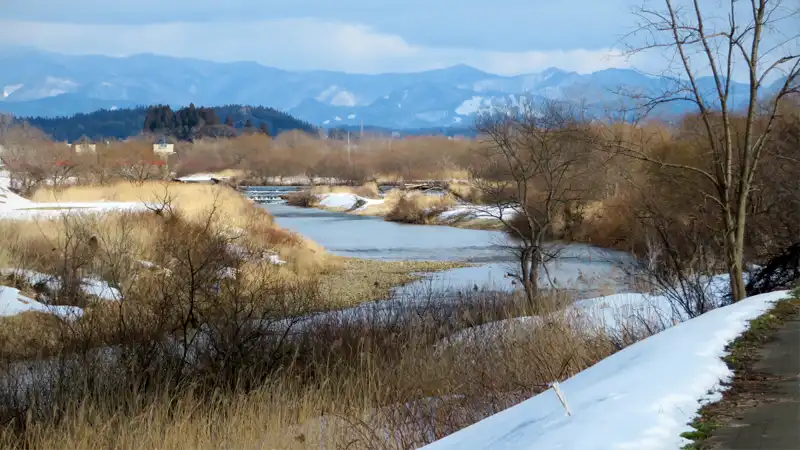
{"type": "Point", "coordinates": [561, 397]}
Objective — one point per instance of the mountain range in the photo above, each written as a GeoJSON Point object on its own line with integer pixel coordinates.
{"type": "Point", "coordinates": [38, 83]}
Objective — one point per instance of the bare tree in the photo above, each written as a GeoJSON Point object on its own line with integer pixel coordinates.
{"type": "Point", "coordinates": [32, 158]}
{"type": "Point", "coordinates": [734, 142]}
{"type": "Point", "coordinates": [536, 172]}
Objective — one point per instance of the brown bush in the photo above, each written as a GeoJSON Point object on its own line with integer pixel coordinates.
{"type": "Point", "coordinates": [417, 208]}
{"type": "Point", "coordinates": [303, 199]}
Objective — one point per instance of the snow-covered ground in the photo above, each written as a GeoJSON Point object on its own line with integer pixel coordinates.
{"type": "Point", "coordinates": [347, 202]}
{"type": "Point", "coordinates": [13, 303]}
{"type": "Point", "coordinates": [14, 207]}
{"type": "Point", "coordinates": [464, 211]}
{"type": "Point", "coordinates": [91, 286]}
{"type": "Point", "coordinates": [469, 212]}
{"type": "Point", "coordinates": [642, 397]}
{"type": "Point", "coordinates": [201, 177]}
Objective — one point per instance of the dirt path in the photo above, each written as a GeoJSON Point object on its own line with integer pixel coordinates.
{"type": "Point", "coordinates": [762, 408]}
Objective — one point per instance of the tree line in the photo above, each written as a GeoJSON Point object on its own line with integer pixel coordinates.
{"type": "Point", "coordinates": [183, 124]}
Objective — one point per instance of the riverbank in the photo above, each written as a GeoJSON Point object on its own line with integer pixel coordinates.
{"type": "Point", "coordinates": [134, 222]}
{"type": "Point", "coordinates": [413, 207]}
{"type": "Point", "coordinates": [583, 269]}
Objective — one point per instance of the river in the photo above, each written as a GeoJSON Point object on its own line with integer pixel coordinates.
{"type": "Point", "coordinates": [586, 269]}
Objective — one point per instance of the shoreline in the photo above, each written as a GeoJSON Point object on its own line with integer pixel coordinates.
{"type": "Point", "coordinates": [461, 215]}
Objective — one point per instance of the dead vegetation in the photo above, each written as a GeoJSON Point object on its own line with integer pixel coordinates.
{"type": "Point", "coordinates": [415, 207]}
{"type": "Point", "coordinates": [211, 344]}
{"type": "Point", "coordinates": [180, 364]}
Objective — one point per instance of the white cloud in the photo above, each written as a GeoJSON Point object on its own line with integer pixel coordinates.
{"type": "Point", "coordinates": [299, 44]}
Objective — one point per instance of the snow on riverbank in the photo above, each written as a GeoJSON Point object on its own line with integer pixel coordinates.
{"type": "Point", "coordinates": [461, 212]}
{"type": "Point", "coordinates": [642, 397]}
{"type": "Point", "coordinates": [468, 211]}
{"type": "Point", "coordinates": [13, 303]}
{"type": "Point", "coordinates": [347, 202]}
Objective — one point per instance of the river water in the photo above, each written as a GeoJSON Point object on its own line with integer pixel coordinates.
{"type": "Point", "coordinates": [580, 267]}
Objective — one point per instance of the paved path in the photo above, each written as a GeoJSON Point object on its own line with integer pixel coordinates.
{"type": "Point", "coordinates": [772, 420]}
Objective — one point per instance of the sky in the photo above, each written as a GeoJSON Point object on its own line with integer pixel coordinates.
{"type": "Point", "coordinates": [505, 37]}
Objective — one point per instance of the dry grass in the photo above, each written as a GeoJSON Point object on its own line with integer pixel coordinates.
{"type": "Point", "coordinates": [370, 382]}
{"type": "Point", "coordinates": [302, 199]}
{"type": "Point", "coordinates": [232, 214]}
{"type": "Point", "coordinates": [467, 192]}
{"type": "Point", "coordinates": [416, 207]}
{"type": "Point", "coordinates": [357, 281]}
{"type": "Point", "coordinates": [366, 190]}
{"type": "Point", "coordinates": [24, 334]}
{"type": "Point", "coordinates": [194, 200]}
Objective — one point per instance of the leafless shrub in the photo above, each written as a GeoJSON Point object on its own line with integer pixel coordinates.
{"type": "Point", "coordinates": [303, 199]}
{"type": "Point", "coordinates": [538, 166]}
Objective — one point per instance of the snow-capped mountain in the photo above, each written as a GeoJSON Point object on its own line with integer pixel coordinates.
{"type": "Point", "coordinates": [36, 83]}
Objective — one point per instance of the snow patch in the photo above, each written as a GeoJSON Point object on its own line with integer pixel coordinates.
{"type": "Point", "coordinates": [8, 199]}
{"type": "Point", "coordinates": [471, 106]}
{"type": "Point", "coordinates": [327, 93]}
{"type": "Point", "coordinates": [469, 211]}
{"type": "Point", "coordinates": [347, 201]}
{"type": "Point", "coordinates": [200, 177]}
{"type": "Point", "coordinates": [336, 96]}
{"type": "Point", "coordinates": [10, 89]}
{"type": "Point", "coordinates": [34, 210]}
{"type": "Point", "coordinates": [13, 303]}
{"type": "Point", "coordinates": [90, 286]}
{"type": "Point", "coordinates": [642, 397]}
{"type": "Point", "coordinates": [344, 98]}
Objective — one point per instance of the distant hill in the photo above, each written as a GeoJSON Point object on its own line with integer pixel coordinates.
{"type": "Point", "coordinates": [122, 123]}
{"type": "Point", "coordinates": [37, 83]}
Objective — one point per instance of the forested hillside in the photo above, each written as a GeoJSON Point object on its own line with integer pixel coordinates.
{"type": "Point", "coordinates": [184, 124]}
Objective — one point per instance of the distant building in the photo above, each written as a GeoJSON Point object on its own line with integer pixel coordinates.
{"type": "Point", "coordinates": [164, 149]}
{"type": "Point", "coordinates": [83, 147]}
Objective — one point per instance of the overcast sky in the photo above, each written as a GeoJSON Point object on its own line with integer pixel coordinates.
{"type": "Point", "coordinates": [365, 36]}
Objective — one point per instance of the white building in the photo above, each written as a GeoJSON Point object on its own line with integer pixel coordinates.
{"type": "Point", "coordinates": [164, 149]}
{"type": "Point", "coordinates": [84, 148]}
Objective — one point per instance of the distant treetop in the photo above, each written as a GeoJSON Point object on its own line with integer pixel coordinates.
{"type": "Point", "coordinates": [186, 123]}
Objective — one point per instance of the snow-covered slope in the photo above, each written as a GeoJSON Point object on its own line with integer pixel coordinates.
{"type": "Point", "coordinates": [14, 207]}
{"type": "Point", "coordinates": [8, 199]}
{"type": "Point", "coordinates": [11, 200]}
{"type": "Point", "coordinates": [640, 398]}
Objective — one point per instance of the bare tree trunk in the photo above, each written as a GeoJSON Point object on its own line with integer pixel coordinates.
{"type": "Point", "coordinates": [689, 31]}
{"type": "Point", "coordinates": [738, 290]}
